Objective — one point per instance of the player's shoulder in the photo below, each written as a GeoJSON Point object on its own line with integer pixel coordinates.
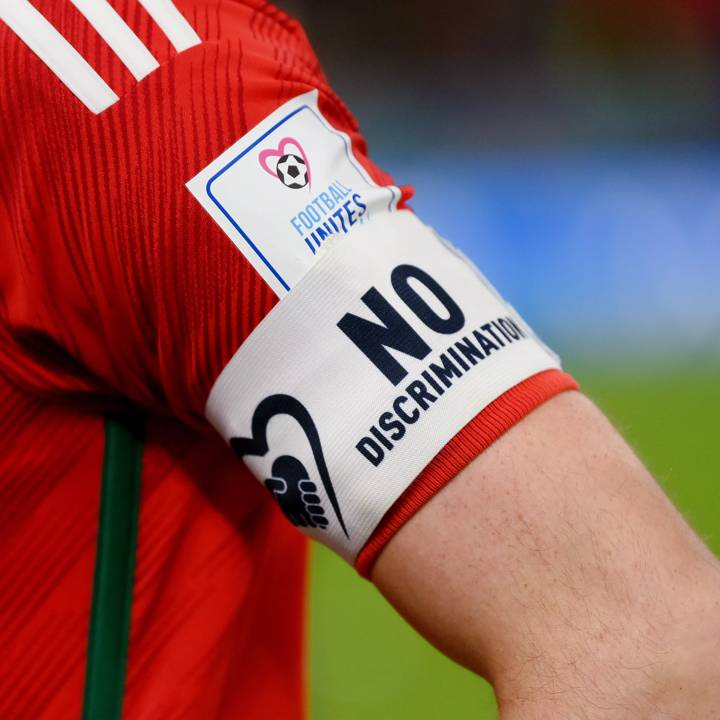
{"type": "Point", "coordinates": [89, 56]}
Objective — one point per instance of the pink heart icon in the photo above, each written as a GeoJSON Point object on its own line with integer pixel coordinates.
{"type": "Point", "coordinates": [278, 152]}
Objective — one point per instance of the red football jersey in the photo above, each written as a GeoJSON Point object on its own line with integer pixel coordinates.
{"type": "Point", "coordinates": [123, 299]}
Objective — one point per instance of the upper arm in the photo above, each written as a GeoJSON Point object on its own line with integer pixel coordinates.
{"type": "Point", "coordinates": [351, 358]}
{"type": "Point", "coordinates": [554, 565]}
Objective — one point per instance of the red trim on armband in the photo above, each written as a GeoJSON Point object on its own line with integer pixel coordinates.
{"type": "Point", "coordinates": [486, 427]}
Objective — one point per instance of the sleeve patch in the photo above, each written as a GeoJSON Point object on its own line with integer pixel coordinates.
{"type": "Point", "coordinates": [287, 187]}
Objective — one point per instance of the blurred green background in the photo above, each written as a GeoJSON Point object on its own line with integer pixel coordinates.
{"type": "Point", "coordinates": [571, 148]}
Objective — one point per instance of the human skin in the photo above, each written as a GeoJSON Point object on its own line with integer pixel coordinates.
{"type": "Point", "coordinates": [555, 567]}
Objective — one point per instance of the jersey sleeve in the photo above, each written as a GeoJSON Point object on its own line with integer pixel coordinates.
{"type": "Point", "coordinates": [230, 255]}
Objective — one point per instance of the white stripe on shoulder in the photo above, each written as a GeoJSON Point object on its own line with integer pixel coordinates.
{"type": "Point", "coordinates": [58, 54]}
{"type": "Point", "coordinates": [172, 22]}
{"type": "Point", "coordinates": [115, 32]}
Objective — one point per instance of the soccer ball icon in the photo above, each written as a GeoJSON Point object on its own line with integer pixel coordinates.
{"type": "Point", "coordinates": [292, 171]}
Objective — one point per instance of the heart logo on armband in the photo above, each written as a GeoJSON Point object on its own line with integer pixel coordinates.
{"type": "Point", "coordinates": [290, 483]}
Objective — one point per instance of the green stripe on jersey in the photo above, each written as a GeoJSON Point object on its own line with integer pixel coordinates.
{"type": "Point", "coordinates": [114, 570]}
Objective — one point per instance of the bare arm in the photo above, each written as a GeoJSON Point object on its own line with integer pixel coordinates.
{"type": "Point", "coordinates": [556, 567]}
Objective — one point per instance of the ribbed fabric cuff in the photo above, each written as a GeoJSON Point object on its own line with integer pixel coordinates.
{"type": "Point", "coordinates": [486, 427]}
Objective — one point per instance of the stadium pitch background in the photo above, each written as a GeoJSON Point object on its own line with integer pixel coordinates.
{"type": "Point", "coordinates": [613, 258]}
